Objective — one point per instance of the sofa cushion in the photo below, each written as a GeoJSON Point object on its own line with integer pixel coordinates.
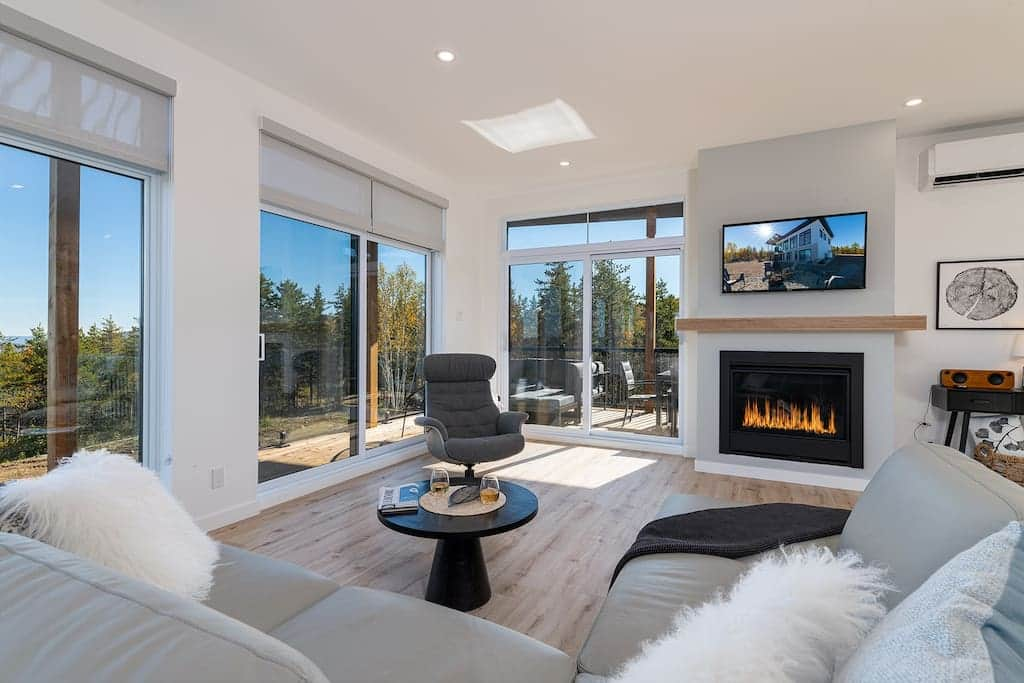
{"type": "Point", "coordinates": [261, 591]}
{"type": "Point", "coordinates": [651, 590]}
{"type": "Point", "coordinates": [361, 635]}
{"type": "Point", "coordinates": [644, 601]}
{"type": "Point", "coordinates": [924, 505]}
{"type": "Point", "coordinates": [65, 619]}
{"type": "Point", "coordinates": [963, 624]}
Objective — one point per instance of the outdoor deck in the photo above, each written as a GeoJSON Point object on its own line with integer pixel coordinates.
{"type": "Point", "coordinates": [303, 454]}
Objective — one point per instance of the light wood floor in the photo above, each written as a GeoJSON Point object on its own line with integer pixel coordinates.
{"type": "Point", "coordinates": [549, 577]}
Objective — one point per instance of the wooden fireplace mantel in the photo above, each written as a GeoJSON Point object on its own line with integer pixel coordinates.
{"type": "Point", "coordinates": [836, 323]}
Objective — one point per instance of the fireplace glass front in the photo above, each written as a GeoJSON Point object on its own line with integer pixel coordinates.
{"type": "Point", "coordinates": [793, 406]}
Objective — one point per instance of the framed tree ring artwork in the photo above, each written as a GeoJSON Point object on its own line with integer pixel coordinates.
{"type": "Point", "coordinates": [980, 295]}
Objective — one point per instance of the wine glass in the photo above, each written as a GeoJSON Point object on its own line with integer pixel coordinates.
{"type": "Point", "coordinates": [489, 489]}
{"type": "Point", "coordinates": [439, 482]}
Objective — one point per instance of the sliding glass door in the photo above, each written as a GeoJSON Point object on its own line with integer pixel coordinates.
{"type": "Point", "coordinates": [628, 378]}
{"type": "Point", "coordinates": [634, 346]}
{"type": "Point", "coordinates": [309, 322]}
{"type": "Point", "coordinates": [340, 372]}
{"type": "Point", "coordinates": [396, 325]}
{"type": "Point", "coordinates": [71, 274]}
{"type": "Point", "coordinates": [592, 303]}
{"type": "Point", "coordinates": [545, 327]}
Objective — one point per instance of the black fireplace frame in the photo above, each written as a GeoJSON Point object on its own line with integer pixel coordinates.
{"type": "Point", "coordinates": [844, 453]}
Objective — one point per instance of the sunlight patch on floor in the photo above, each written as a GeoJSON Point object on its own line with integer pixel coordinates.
{"type": "Point", "coordinates": [577, 466]}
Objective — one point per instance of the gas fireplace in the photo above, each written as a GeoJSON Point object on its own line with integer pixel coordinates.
{"type": "Point", "coordinates": [807, 407]}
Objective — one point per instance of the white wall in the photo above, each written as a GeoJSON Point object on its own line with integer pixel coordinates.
{"type": "Point", "coordinates": [983, 220]}
{"type": "Point", "coordinates": [214, 238]}
{"type": "Point", "coordinates": [833, 171]}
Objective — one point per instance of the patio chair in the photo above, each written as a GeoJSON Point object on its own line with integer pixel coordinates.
{"type": "Point", "coordinates": [634, 390]}
{"type": "Point", "coordinates": [728, 283]}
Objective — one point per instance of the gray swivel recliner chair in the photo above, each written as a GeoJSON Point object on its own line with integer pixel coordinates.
{"type": "Point", "coordinates": [463, 424]}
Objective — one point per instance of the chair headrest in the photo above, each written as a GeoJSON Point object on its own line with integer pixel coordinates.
{"type": "Point", "coordinates": [458, 367]}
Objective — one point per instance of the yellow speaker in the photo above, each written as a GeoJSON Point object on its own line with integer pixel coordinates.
{"type": "Point", "coordinates": [977, 379]}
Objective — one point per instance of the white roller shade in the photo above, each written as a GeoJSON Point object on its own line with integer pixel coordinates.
{"type": "Point", "coordinates": [295, 179]}
{"type": "Point", "coordinates": [52, 96]}
{"type": "Point", "coordinates": [407, 218]}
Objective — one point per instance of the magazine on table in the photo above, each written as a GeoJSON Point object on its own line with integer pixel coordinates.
{"type": "Point", "coordinates": [398, 500]}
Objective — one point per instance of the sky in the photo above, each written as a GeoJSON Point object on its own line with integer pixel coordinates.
{"type": "Point", "coordinates": [847, 229]}
{"type": "Point", "coordinates": [110, 244]}
{"type": "Point", "coordinates": [310, 254]}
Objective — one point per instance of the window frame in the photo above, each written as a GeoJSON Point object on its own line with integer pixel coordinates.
{"type": "Point", "coordinates": [155, 297]}
{"type": "Point", "coordinates": [274, 490]}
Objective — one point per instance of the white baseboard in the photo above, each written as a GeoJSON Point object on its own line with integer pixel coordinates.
{"type": "Point", "coordinates": [235, 513]}
{"type": "Point", "coordinates": [626, 443]}
{"type": "Point", "coordinates": [277, 491]}
{"type": "Point", "coordinates": [789, 476]}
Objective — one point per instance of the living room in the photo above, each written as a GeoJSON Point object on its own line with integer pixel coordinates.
{"type": "Point", "coordinates": [280, 268]}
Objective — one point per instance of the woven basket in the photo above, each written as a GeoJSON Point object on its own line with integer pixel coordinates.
{"type": "Point", "coordinates": [1009, 466]}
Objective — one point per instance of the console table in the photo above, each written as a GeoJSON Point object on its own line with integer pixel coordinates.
{"type": "Point", "coordinates": [962, 402]}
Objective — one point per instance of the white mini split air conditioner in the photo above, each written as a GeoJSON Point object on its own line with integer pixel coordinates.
{"type": "Point", "coordinates": [998, 157]}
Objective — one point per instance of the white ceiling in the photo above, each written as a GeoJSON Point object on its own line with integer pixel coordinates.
{"type": "Point", "coordinates": [655, 80]}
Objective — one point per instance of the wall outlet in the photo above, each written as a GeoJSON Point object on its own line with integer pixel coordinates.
{"type": "Point", "coordinates": [216, 477]}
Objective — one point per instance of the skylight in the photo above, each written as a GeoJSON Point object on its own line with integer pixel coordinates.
{"type": "Point", "coordinates": [548, 124]}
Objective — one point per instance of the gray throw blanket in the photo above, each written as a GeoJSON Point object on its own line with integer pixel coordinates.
{"type": "Point", "coordinates": [735, 532]}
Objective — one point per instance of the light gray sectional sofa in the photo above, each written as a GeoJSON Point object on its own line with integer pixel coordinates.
{"type": "Point", "coordinates": [925, 505]}
{"type": "Point", "coordinates": [62, 618]}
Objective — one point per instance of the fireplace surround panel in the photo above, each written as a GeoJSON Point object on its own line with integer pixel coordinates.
{"type": "Point", "coordinates": [797, 406]}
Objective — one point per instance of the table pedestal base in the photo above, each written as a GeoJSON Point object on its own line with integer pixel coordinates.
{"type": "Point", "coordinates": [458, 578]}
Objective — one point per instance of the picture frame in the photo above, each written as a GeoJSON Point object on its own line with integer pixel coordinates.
{"type": "Point", "coordinates": [980, 294]}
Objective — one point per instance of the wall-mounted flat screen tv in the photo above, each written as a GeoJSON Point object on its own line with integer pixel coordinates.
{"type": "Point", "coordinates": [812, 253]}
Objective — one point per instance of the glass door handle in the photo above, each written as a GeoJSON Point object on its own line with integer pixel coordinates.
{"type": "Point", "coordinates": [263, 347]}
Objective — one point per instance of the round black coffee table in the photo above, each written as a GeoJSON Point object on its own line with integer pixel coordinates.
{"type": "Point", "coordinates": [458, 578]}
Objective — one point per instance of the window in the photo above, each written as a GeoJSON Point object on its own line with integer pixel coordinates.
{"type": "Point", "coordinates": [71, 273]}
{"type": "Point", "coordinates": [805, 237]}
{"type": "Point", "coordinates": [396, 313]}
{"type": "Point", "coordinates": [557, 231]}
{"type": "Point", "coordinates": [635, 349]}
{"type": "Point", "coordinates": [345, 284]}
{"type": "Point", "coordinates": [614, 367]}
{"type": "Point", "coordinates": [309, 319]}
{"type": "Point", "coordinates": [595, 227]}
{"type": "Point", "coordinates": [546, 342]}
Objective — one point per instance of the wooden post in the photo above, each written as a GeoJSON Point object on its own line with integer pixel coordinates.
{"type": "Point", "coordinates": [650, 306]}
{"type": "Point", "coordinates": [62, 332]}
{"type": "Point", "coordinates": [372, 332]}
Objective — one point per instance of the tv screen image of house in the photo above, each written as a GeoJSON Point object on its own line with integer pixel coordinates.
{"type": "Point", "coordinates": [811, 253]}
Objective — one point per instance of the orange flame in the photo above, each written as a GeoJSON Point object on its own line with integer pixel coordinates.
{"type": "Point", "coordinates": [764, 415]}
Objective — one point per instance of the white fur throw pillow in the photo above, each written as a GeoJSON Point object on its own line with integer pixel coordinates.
{"type": "Point", "coordinates": [794, 617]}
{"type": "Point", "coordinates": [108, 509]}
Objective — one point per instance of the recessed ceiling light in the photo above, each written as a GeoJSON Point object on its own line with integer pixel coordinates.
{"type": "Point", "coordinates": [445, 55]}
{"type": "Point", "coordinates": [549, 124]}
{"type": "Point", "coordinates": [17, 186]}
{"type": "Point", "coordinates": [565, 163]}
{"type": "Point", "coordinates": [913, 102]}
